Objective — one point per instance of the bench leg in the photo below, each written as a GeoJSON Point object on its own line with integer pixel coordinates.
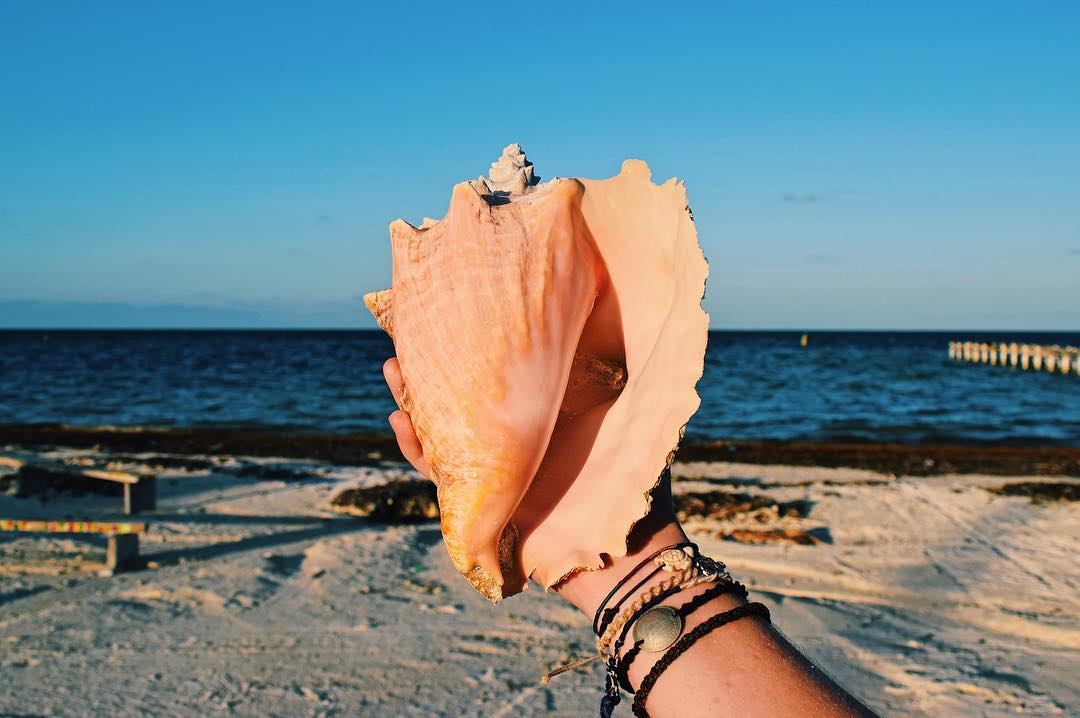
{"type": "Point", "coordinates": [141, 496]}
{"type": "Point", "coordinates": [123, 550]}
{"type": "Point", "coordinates": [31, 481]}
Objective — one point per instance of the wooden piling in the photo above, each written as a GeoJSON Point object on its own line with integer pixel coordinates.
{"type": "Point", "coordinates": [1054, 359]}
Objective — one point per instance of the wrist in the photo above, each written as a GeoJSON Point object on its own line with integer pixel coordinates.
{"type": "Point", "coordinates": [586, 589]}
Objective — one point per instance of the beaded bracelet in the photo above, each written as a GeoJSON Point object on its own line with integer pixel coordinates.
{"type": "Point", "coordinates": [684, 643]}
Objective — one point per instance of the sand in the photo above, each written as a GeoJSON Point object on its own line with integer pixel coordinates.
{"type": "Point", "coordinates": [927, 596]}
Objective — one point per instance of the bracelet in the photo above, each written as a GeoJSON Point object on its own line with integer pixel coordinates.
{"type": "Point", "coordinates": [621, 620]}
{"type": "Point", "coordinates": [599, 625]}
{"type": "Point", "coordinates": [684, 643]}
{"type": "Point", "coordinates": [668, 559]}
{"type": "Point", "coordinates": [694, 569]}
{"type": "Point", "coordinates": [682, 612]}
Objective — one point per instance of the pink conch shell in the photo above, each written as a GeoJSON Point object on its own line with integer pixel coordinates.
{"type": "Point", "coordinates": [550, 338]}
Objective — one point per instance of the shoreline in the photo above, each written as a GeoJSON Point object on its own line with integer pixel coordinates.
{"type": "Point", "coordinates": [365, 450]}
{"type": "Point", "coordinates": [277, 586]}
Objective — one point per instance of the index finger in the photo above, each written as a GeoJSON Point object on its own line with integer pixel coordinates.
{"type": "Point", "coordinates": [392, 373]}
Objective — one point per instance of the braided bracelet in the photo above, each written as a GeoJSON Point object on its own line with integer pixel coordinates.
{"type": "Point", "coordinates": [615, 626]}
{"type": "Point", "coordinates": [694, 568]}
{"type": "Point", "coordinates": [682, 612]}
{"type": "Point", "coordinates": [684, 643]}
{"type": "Point", "coordinates": [688, 576]}
{"type": "Point", "coordinates": [611, 695]}
{"type": "Point", "coordinates": [603, 616]}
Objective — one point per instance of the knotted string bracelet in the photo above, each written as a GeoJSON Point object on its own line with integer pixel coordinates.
{"type": "Point", "coordinates": [603, 616]}
{"type": "Point", "coordinates": [672, 583]}
{"type": "Point", "coordinates": [639, 608]}
{"type": "Point", "coordinates": [683, 611]}
{"type": "Point", "coordinates": [697, 569]}
{"type": "Point", "coordinates": [683, 644]}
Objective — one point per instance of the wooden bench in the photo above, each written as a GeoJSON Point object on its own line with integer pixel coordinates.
{"type": "Point", "coordinates": [123, 548]}
{"type": "Point", "coordinates": [34, 475]}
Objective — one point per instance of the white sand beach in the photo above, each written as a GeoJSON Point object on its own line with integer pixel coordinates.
{"type": "Point", "coordinates": [927, 597]}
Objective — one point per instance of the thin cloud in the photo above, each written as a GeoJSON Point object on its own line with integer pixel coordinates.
{"type": "Point", "coordinates": [801, 198]}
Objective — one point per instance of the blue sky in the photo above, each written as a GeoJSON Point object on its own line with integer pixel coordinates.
{"type": "Point", "coordinates": [855, 165]}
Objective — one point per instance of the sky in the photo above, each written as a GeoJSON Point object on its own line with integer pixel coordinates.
{"type": "Point", "coordinates": [908, 165]}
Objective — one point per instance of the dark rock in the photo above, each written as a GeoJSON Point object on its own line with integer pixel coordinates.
{"type": "Point", "coordinates": [762, 536]}
{"type": "Point", "coordinates": [1040, 491]}
{"type": "Point", "coordinates": [401, 501]}
{"type": "Point", "coordinates": [728, 504]}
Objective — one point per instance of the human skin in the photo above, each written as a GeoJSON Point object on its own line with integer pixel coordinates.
{"type": "Point", "coordinates": [745, 668]}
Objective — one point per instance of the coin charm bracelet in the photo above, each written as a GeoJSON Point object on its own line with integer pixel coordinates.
{"type": "Point", "coordinates": [655, 627]}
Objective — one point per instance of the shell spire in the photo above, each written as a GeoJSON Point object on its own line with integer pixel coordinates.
{"type": "Point", "coordinates": [509, 175]}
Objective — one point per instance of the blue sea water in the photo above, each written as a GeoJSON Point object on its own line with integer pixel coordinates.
{"type": "Point", "coordinates": [845, 386]}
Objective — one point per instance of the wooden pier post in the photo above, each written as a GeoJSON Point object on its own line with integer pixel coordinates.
{"type": "Point", "coordinates": [1051, 358]}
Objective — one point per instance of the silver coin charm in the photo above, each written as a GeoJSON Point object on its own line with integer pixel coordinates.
{"type": "Point", "coordinates": [658, 628]}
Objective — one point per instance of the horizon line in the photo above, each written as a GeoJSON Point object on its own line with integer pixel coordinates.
{"type": "Point", "coordinates": [380, 331]}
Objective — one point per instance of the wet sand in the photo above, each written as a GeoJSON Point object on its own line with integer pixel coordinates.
{"type": "Point", "coordinates": [937, 595]}
{"type": "Point", "coordinates": [906, 459]}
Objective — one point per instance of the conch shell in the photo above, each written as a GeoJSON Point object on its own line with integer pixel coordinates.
{"type": "Point", "coordinates": [550, 337]}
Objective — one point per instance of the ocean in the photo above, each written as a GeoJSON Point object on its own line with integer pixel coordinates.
{"type": "Point", "coordinates": [843, 387]}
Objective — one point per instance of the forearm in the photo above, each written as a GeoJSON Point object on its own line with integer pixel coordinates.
{"type": "Point", "coordinates": [744, 668]}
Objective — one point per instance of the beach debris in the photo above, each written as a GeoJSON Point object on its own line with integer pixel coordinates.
{"type": "Point", "coordinates": [1040, 492]}
{"type": "Point", "coordinates": [157, 462]}
{"type": "Point", "coordinates": [277, 472]}
{"type": "Point", "coordinates": [550, 337]}
{"type": "Point", "coordinates": [726, 505]}
{"type": "Point", "coordinates": [802, 537]}
{"type": "Point", "coordinates": [399, 501]}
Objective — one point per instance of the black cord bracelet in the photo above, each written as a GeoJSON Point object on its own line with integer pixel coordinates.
{"type": "Point", "coordinates": [603, 616]}
{"type": "Point", "coordinates": [611, 688]}
{"type": "Point", "coordinates": [683, 611]}
{"type": "Point", "coordinates": [684, 643]}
